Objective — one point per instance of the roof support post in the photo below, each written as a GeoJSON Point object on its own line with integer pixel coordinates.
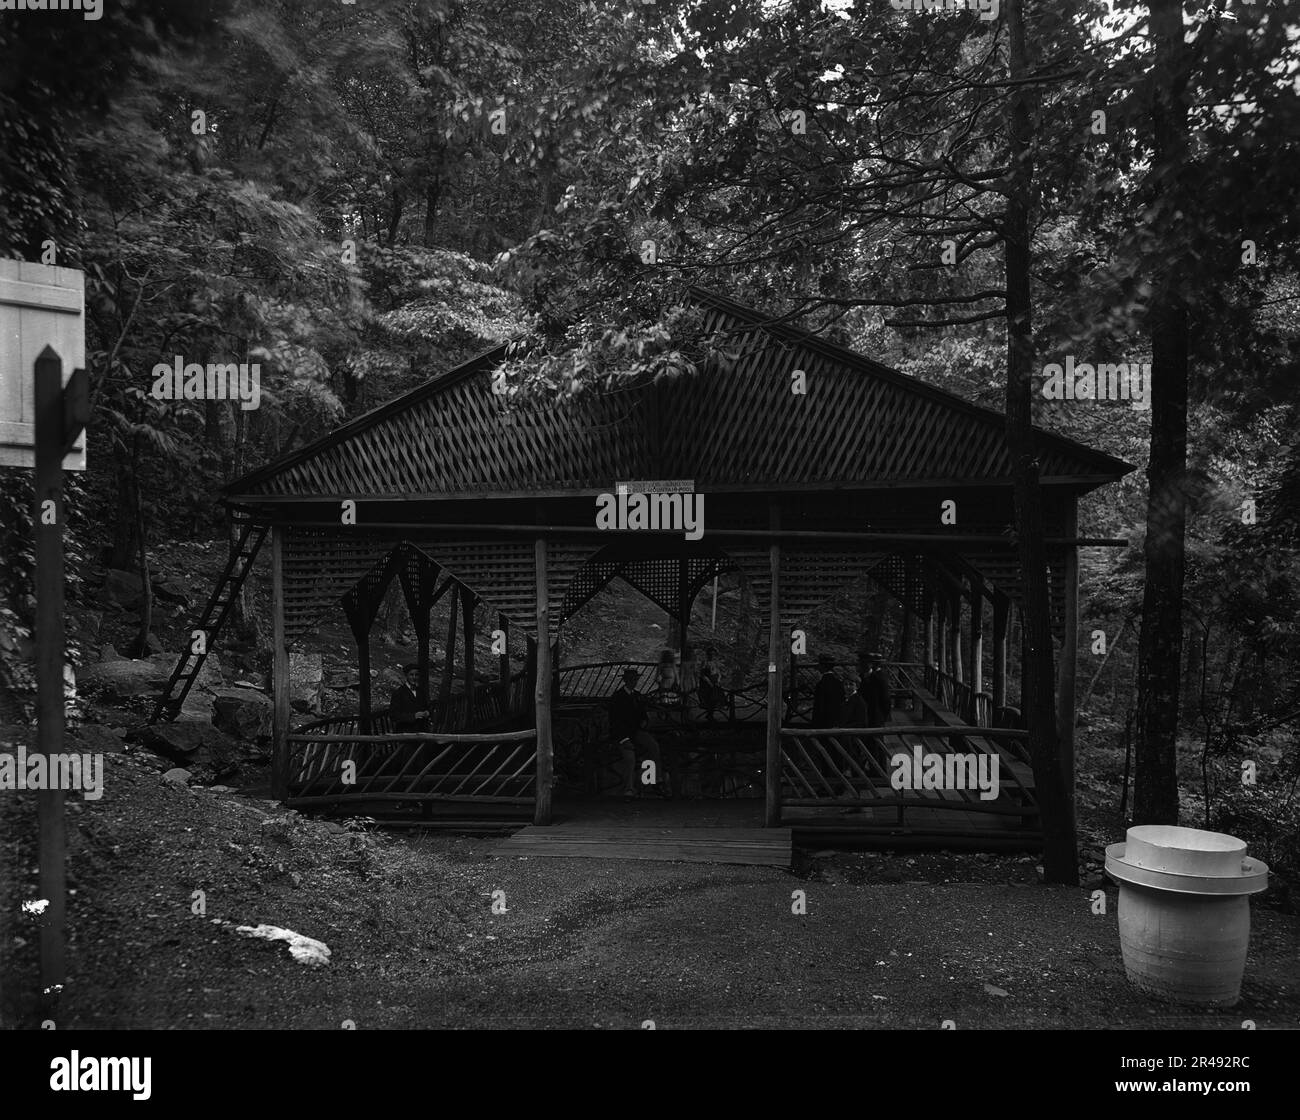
{"type": "Point", "coordinates": [449, 659]}
{"type": "Point", "coordinates": [954, 638]}
{"type": "Point", "coordinates": [685, 600]}
{"type": "Point", "coordinates": [929, 627]}
{"type": "Point", "coordinates": [279, 672]}
{"type": "Point", "coordinates": [503, 661]}
{"type": "Point", "coordinates": [468, 602]}
{"type": "Point", "coordinates": [976, 635]}
{"type": "Point", "coordinates": [1069, 656]}
{"type": "Point", "coordinates": [542, 688]}
{"type": "Point", "coordinates": [1000, 616]}
{"type": "Point", "coordinates": [772, 769]}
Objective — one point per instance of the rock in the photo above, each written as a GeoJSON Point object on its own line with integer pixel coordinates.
{"type": "Point", "coordinates": [222, 789]}
{"type": "Point", "coordinates": [991, 990]}
{"type": "Point", "coordinates": [177, 777]}
{"type": "Point", "coordinates": [189, 741]}
{"type": "Point", "coordinates": [94, 738]}
{"type": "Point", "coordinates": [169, 591]}
{"type": "Point", "coordinates": [306, 674]}
{"type": "Point", "coordinates": [303, 949]}
{"type": "Point", "coordinates": [122, 678]}
{"type": "Point", "coordinates": [123, 588]}
{"type": "Point", "coordinates": [242, 712]}
{"type": "Point", "coordinates": [197, 707]}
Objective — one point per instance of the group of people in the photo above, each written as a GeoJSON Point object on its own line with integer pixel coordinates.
{"type": "Point", "coordinates": [869, 705]}
{"type": "Point", "coordinates": [696, 687]}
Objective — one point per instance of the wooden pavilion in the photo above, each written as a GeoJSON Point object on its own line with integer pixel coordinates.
{"type": "Point", "coordinates": [450, 491]}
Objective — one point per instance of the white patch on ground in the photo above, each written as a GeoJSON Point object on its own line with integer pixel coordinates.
{"type": "Point", "coordinates": [305, 950]}
{"type": "Point", "coordinates": [36, 907]}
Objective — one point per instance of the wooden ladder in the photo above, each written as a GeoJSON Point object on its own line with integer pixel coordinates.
{"type": "Point", "coordinates": [238, 566]}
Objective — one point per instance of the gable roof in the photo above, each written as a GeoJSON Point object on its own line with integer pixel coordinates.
{"type": "Point", "coordinates": [858, 424]}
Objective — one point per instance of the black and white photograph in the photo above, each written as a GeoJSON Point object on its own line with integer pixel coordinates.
{"type": "Point", "coordinates": [699, 515]}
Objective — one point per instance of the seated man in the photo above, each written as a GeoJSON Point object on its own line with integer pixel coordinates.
{"type": "Point", "coordinates": [404, 704]}
{"type": "Point", "coordinates": [626, 720]}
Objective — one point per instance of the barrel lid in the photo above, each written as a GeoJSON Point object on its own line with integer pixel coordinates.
{"type": "Point", "coordinates": [1186, 861]}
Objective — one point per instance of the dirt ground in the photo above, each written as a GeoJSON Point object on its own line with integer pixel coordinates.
{"type": "Point", "coordinates": [888, 940]}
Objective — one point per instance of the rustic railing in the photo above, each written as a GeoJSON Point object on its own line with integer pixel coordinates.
{"type": "Point", "coordinates": [852, 767]}
{"type": "Point", "coordinates": [959, 697]}
{"type": "Point", "coordinates": [903, 678]}
{"type": "Point", "coordinates": [600, 680]}
{"type": "Point", "coordinates": [499, 767]}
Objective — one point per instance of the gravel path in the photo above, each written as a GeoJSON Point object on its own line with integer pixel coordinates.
{"type": "Point", "coordinates": [887, 941]}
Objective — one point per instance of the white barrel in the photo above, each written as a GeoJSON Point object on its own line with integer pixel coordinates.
{"type": "Point", "coordinates": [1184, 911]}
{"type": "Point", "coordinates": [1184, 947]}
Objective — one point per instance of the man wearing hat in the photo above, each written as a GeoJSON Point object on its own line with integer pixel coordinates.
{"type": "Point", "coordinates": [404, 704]}
{"type": "Point", "coordinates": [875, 689]}
{"type": "Point", "coordinates": [828, 696]}
{"type": "Point", "coordinates": [626, 721]}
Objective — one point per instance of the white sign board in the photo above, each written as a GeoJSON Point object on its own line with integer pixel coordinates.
{"type": "Point", "coordinates": [40, 306]}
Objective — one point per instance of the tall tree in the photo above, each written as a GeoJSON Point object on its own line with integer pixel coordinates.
{"type": "Point", "coordinates": [1038, 686]}
{"type": "Point", "coordinates": [1160, 643]}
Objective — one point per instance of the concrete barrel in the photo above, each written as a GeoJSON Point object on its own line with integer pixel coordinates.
{"type": "Point", "coordinates": [1184, 915]}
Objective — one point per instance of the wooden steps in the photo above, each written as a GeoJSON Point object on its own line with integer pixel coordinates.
{"type": "Point", "coordinates": [766, 847]}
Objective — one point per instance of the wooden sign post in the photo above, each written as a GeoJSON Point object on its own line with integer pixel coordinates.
{"type": "Point", "coordinates": [42, 421]}
{"type": "Point", "coordinates": [60, 417]}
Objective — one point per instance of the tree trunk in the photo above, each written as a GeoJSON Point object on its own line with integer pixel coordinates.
{"type": "Point", "coordinates": [1060, 859]}
{"type": "Point", "coordinates": [1155, 769]}
{"type": "Point", "coordinates": [146, 583]}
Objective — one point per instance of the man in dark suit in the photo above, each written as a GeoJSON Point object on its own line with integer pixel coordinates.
{"type": "Point", "coordinates": [626, 722]}
{"type": "Point", "coordinates": [828, 696]}
{"type": "Point", "coordinates": [875, 690]}
{"type": "Point", "coordinates": [404, 705]}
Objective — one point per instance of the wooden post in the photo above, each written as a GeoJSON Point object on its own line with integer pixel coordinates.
{"type": "Point", "coordinates": [361, 632]}
{"type": "Point", "coordinates": [530, 676]}
{"type": "Point", "coordinates": [684, 605]}
{"type": "Point", "coordinates": [941, 637]}
{"type": "Point", "coordinates": [976, 635]}
{"type": "Point", "coordinates": [48, 436]}
{"type": "Point", "coordinates": [1069, 654]}
{"type": "Point", "coordinates": [772, 814]}
{"type": "Point", "coordinates": [542, 688]}
{"type": "Point", "coordinates": [449, 660]}
{"type": "Point", "coordinates": [468, 603]}
{"type": "Point", "coordinates": [954, 637]}
{"type": "Point", "coordinates": [279, 672]}
{"type": "Point", "coordinates": [929, 629]}
{"type": "Point", "coordinates": [503, 661]}
{"type": "Point", "coordinates": [1000, 613]}
{"type": "Point", "coordinates": [423, 605]}
{"type": "Point", "coordinates": [905, 642]}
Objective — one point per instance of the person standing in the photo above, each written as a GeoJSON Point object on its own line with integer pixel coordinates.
{"type": "Point", "coordinates": [828, 696]}
{"type": "Point", "coordinates": [626, 725]}
{"type": "Point", "coordinates": [876, 691]}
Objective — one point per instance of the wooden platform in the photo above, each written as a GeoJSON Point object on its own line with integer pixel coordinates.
{"type": "Point", "coordinates": [768, 847]}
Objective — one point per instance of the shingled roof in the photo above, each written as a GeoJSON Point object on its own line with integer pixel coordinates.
{"type": "Point", "coordinates": [740, 428]}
